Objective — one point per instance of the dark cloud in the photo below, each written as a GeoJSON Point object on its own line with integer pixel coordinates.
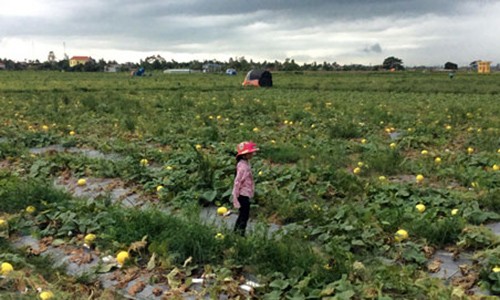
{"type": "Point", "coordinates": [148, 17]}
{"type": "Point", "coordinates": [276, 29]}
{"type": "Point", "coordinates": [315, 8]}
{"type": "Point", "coordinates": [376, 48]}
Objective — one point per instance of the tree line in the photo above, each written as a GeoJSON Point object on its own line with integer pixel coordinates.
{"type": "Point", "coordinates": [238, 63]}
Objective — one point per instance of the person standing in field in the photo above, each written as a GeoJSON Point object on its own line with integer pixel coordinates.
{"type": "Point", "coordinates": [244, 186]}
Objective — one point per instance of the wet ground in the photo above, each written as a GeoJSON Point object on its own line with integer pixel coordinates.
{"type": "Point", "coordinates": [91, 153]}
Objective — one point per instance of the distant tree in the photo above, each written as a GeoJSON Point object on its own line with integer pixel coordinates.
{"type": "Point", "coordinates": [326, 66]}
{"type": "Point", "coordinates": [154, 62]}
{"type": "Point", "coordinates": [12, 65]}
{"type": "Point", "coordinates": [101, 64]}
{"type": "Point", "coordinates": [244, 65]}
{"type": "Point", "coordinates": [290, 65]}
{"type": "Point", "coordinates": [171, 64]}
{"type": "Point", "coordinates": [269, 65]}
{"type": "Point", "coordinates": [393, 63]}
{"type": "Point", "coordinates": [158, 65]}
{"type": "Point", "coordinates": [63, 65]}
{"type": "Point", "coordinates": [277, 65]}
{"type": "Point", "coordinates": [196, 65]}
{"type": "Point", "coordinates": [46, 65]}
{"type": "Point", "coordinates": [91, 66]}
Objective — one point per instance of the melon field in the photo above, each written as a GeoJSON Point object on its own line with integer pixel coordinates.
{"type": "Point", "coordinates": [368, 186]}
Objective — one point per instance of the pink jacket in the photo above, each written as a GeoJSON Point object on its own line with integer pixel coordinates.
{"type": "Point", "coordinates": [243, 182]}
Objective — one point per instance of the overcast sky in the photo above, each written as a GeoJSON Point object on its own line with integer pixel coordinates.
{"type": "Point", "coordinates": [420, 32]}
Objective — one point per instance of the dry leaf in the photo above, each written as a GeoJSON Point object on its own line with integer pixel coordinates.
{"type": "Point", "coordinates": [137, 246]}
{"type": "Point", "coordinates": [115, 275]}
{"type": "Point", "coordinates": [455, 252]}
{"type": "Point", "coordinates": [465, 282]}
{"type": "Point", "coordinates": [187, 261]}
{"type": "Point", "coordinates": [151, 263]}
{"type": "Point", "coordinates": [84, 258]}
{"type": "Point", "coordinates": [173, 282]}
{"type": "Point", "coordinates": [172, 294]}
{"type": "Point", "coordinates": [157, 292]}
{"type": "Point", "coordinates": [130, 274]}
{"type": "Point", "coordinates": [21, 286]}
{"type": "Point", "coordinates": [178, 293]}
{"type": "Point", "coordinates": [41, 279]}
{"type": "Point", "coordinates": [80, 257]}
{"type": "Point", "coordinates": [137, 288]}
{"type": "Point", "coordinates": [47, 241]}
{"type": "Point", "coordinates": [434, 266]}
{"type": "Point", "coordinates": [35, 252]}
{"type": "Point", "coordinates": [43, 245]}
{"type": "Point", "coordinates": [429, 251]}
{"type": "Point", "coordinates": [464, 269]}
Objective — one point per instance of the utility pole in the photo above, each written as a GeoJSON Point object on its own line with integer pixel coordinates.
{"type": "Point", "coordinates": [64, 48]}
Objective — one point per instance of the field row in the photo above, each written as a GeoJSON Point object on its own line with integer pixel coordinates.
{"type": "Point", "coordinates": [369, 174]}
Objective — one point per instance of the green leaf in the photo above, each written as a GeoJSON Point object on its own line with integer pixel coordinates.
{"type": "Point", "coordinates": [291, 186]}
{"type": "Point", "coordinates": [346, 295]}
{"type": "Point", "coordinates": [403, 192]}
{"type": "Point", "coordinates": [303, 284]}
{"type": "Point", "coordinates": [58, 242]}
{"type": "Point", "coordinates": [296, 296]}
{"type": "Point", "coordinates": [358, 243]}
{"type": "Point", "coordinates": [348, 227]}
{"type": "Point", "coordinates": [280, 284]}
{"type": "Point", "coordinates": [209, 195]}
{"type": "Point", "coordinates": [329, 290]}
{"type": "Point", "coordinates": [274, 295]}
{"type": "Point", "coordinates": [227, 193]}
{"type": "Point", "coordinates": [495, 276]}
{"type": "Point", "coordinates": [106, 268]}
{"type": "Point", "coordinates": [414, 255]}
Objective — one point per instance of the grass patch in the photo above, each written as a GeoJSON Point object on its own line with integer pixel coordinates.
{"type": "Point", "coordinates": [16, 193]}
{"type": "Point", "coordinates": [282, 154]}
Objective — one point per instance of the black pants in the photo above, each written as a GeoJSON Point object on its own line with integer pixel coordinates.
{"type": "Point", "coordinates": [241, 222]}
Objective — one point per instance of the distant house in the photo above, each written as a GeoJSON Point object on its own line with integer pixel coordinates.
{"type": "Point", "coordinates": [2, 66]}
{"type": "Point", "coordinates": [212, 68]}
{"type": "Point", "coordinates": [178, 71]}
{"type": "Point", "coordinates": [112, 68]}
{"type": "Point", "coordinates": [78, 60]}
{"type": "Point", "coordinates": [482, 67]}
{"type": "Point", "coordinates": [450, 66]}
